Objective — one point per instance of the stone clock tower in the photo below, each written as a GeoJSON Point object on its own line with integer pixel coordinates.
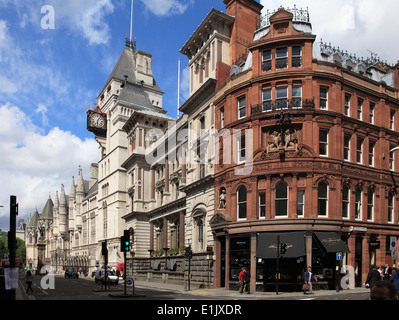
{"type": "Point", "coordinates": [130, 88]}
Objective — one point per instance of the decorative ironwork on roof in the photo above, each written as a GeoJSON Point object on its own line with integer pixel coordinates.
{"type": "Point", "coordinates": [327, 49]}
{"type": "Point", "coordinates": [299, 15]}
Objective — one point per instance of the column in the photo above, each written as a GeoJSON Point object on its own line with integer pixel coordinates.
{"type": "Point", "coordinates": [268, 213]}
{"type": "Point", "coordinates": [365, 257]}
{"type": "Point", "coordinates": [165, 233]}
{"type": "Point", "coordinates": [181, 230]}
{"type": "Point", "coordinates": [308, 249]}
{"type": "Point", "coordinates": [293, 197]}
{"type": "Point", "coordinates": [227, 259]}
{"type": "Point", "coordinates": [217, 269]}
{"type": "Point", "coordinates": [253, 263]}
{"type": "Point", "coordinates": [151, 236]}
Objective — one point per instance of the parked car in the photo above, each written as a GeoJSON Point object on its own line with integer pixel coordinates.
{"type": "Point", "coordinates": [111, 276]}
{"type": "Point", "coordinates": [71, 273]}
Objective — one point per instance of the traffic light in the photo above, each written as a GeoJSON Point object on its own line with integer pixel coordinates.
{"type": "Point", "coordinates": [283, 248]}
{"type": "Point", "coordinates": [188, 254]}
{"type": "Point", "coordinates": [125, 241]}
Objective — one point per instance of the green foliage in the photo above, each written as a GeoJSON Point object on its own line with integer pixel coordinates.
{"type": "Point", "coordinates": [19, 253]}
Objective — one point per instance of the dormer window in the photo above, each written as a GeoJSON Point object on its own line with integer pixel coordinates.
{"type": "Point", "coordinates": [281, 58]}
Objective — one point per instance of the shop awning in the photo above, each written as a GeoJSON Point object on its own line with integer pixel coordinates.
{"type": "Point", "coordinates": [331, 242]}
{"type": "Point", "coordinates": [266, 247]}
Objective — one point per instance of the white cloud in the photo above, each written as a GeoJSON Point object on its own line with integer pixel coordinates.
{"type": "Point", "coordinates": [91, 21]}
{"type": "Point", "coordinates": [166, 7]}
{"type": "Point", "coordinates": [34, 163]}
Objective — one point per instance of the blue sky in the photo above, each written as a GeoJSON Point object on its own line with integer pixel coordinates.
{"type": "Point", "coordinates": [48, 77]}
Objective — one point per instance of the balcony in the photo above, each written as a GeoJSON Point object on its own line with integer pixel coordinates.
{"type": "Point", "coordinates": [269, 106]}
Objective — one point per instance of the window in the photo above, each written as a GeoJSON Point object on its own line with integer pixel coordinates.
{"type": "Point", "coordinates": [241, 148]}
{"type": "Point", "coordinates": [359, 151]}
{"type": "Point", "coordinates": [392, 118]}
{"type": "Point", "coordinates": [322, 197]}
{"type": "Point", "coordinates": [296, 96]}
{"type": "Point", "coordinates": [262, 205]}
{"type": "Point", "coordinates": [296, 56]}
{"type": "Point", "coordinates": [281, 58]}
{"type": "Point", "coordinates": [358, 204]}
{"type": "Point", "coordinates": [266, 60]}
{"type": "Point", "coordinates": [390, 207]}
{"type": "Point", "coordinates": [345, 202]}
{"type": "Point", "coordinates": [222, 118]}
{"type": "Point", "coordinates": [359, 108]}
{"type": "Point", "coordinates": [300, 203]}
{"type": "Point", "coordinates": [347, 104]}
{"type": "Point", "coordinates": [347, 141]}
{"type": "Point", "coordinates": [371, 153]}
{"type": "Point", "coordinates": [370, 205]}
{"type": "Point", "coordinates": [242, 203]}
{"type": "Point", "coordinates": [323, 142]}
{"type": "Point", "coordinates": [267, 100]}
{"type": "Point", "coordinates": [391, 158]}
{"type": "Point", "coordinates": [281, 199]}
{"type": "Point", "coordinates": [241, 107]}
{"type": "Point", "coordinates": [323, 98]}
{"type": "Point", "coordinates": [281, 98]}
{"type": "Point", "coordinates": [372, 107]}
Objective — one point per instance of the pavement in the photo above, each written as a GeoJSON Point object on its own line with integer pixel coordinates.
{"type": "Point", "coordinates": [214, 293]}
{"type": "Point", "coordinates": [232, 294]}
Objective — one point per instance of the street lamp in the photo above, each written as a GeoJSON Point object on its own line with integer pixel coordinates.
{"type": "Point", "coordinates": [392, 150]}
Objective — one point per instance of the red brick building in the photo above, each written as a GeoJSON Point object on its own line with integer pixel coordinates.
{"type": "Point", "coordinates": [322, 124]}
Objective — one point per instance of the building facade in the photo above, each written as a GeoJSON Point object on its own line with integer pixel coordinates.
{"type": "Point", "coordinates": [314, 132]}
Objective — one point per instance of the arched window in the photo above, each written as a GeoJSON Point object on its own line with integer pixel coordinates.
{"type": "Point", "coordinates": [322, 197]}
{"type": "Point", "coordinates": [358, 203]}
{"type": "Point", "coordinates": [345, 201]}
{"type": "Point", "coordinates": [241, 203]}
{"type": "Point", "coordinates": [281, 199]}
{"type": "Point", "coordinates": [370, 205]}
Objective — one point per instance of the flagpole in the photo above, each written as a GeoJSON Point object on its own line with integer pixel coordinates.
{"type": "Point", "coordinates": [131, 22]}
{"type": "Point", "coordinates": [178, 89]}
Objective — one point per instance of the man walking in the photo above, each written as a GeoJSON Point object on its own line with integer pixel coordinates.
{"type": "Point", "coordinates": [308, 278]}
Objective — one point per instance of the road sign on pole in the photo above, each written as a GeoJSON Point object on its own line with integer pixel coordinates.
{"type": "Point", "coordinates": [393, 242]}
{"type": "Point", "coordinates": [339, 256]}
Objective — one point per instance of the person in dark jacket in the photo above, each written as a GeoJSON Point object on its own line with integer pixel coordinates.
{"type": "Point", "coordinates": [395, 278]}
{"type": "Point", "coordinates": [373, 277]}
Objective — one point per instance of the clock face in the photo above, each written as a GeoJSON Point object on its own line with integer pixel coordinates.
{"type": "Point", "coordinates": [97, 120]}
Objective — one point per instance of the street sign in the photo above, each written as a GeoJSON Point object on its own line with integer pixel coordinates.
{"type": "Point", "coordinates": [393, 241]}
{"type": "Point", "coordinates": [339, 256]}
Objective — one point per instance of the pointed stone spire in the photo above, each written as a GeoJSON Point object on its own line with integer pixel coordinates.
{"type": "Point", "coordinates": [72, 192]}
{"type": "Point", "coordinates": [80, 188]}
{"type": "Point", "coordinates": [62, 197]}
{"type": "Point", "coordinates": [56, 201]}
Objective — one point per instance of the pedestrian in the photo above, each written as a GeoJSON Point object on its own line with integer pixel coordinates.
{"type": "Point", "coordinates": [241, 281]}
{"type": "Point", "coordinates": [29, 280]}
{"type": "Point", "coordinates": [387, 272]}
{"type": "Point", "coordinates": [373, 277]}
{"type": "Point", "coordinates": [246, 279]}
{"type": "Point", "coordinates": [383, 290]}
{"type": "Point", "coordinates": [395, 278]}
{"type": "Point", "coordinates": [308, 279]}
